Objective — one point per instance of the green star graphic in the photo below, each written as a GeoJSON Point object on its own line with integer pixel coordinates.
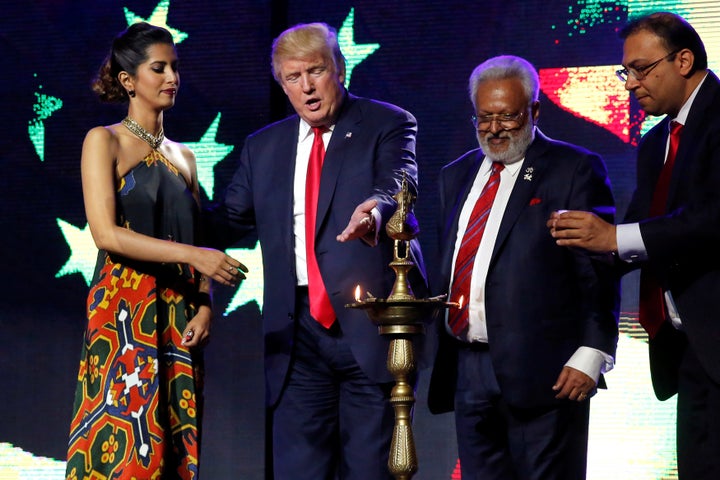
{"type": "Point", "coordinates": [43, 109]}
{"type": "Point", "coordinates": [83, 252]}
{"type": "Point", "coordinates": [208, 154]}
{"type": "Point", "coordinates": [159, 18]}
{"type": "Point", "coordinates": [250, 289]}
{"type": "Point", "coordinates": [354, 53]}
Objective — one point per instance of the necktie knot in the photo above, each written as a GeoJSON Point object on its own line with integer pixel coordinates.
{"type": "Point", "coordinates": [675, 128]}
{"type": "Point", "coordinates": [317, 151]}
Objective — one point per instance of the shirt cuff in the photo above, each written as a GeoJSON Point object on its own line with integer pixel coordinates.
{"type": "Point", "coordinates": [631, 247]}
{"type": "Point", "coordinates": [591, 361]}
{"type": "Point", "coordinates": [372, 237]}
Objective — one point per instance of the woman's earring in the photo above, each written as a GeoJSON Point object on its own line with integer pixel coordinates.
{"type": "Point", "coordinates": [131, 93]}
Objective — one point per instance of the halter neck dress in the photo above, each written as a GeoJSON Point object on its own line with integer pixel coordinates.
{"type": "Point", "coordinates": [138, 400]}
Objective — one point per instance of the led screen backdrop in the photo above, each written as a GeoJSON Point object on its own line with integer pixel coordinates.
{"type": "Point", "coordinates": [417, 54]}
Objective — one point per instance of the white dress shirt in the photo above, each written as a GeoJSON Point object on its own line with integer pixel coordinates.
{"type": "Point", "coordinates": [304, 146]}
{"type": "Point", "coordinates": [631, 247]}
{"type": "Point", "coordinates": [305, 141]}
{"type": "Point", "coordinates": [588, 360]}
{"type": "Point", "coordinates": [477, 331]}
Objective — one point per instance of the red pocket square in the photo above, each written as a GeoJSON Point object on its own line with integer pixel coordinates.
{"type": "Point", "coordinates": [535, 201]}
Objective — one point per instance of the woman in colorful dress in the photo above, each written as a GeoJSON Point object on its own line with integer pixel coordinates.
{"type": "Point", "coordinates": [138, 402]}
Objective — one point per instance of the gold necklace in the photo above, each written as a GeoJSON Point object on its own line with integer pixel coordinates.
{"type": "Point", "coordinates": [142, 134]}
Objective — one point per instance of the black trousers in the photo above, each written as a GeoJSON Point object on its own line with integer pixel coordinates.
{"type": "Point", "coordinates": [497, 441]}
{"type": "Point", "coordinates": [332, 421]}
{"type": "Point", "coordinates": [698, 421]}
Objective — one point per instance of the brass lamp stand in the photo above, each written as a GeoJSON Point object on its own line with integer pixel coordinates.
{"type": "Point", "coordinates": [400, 316]}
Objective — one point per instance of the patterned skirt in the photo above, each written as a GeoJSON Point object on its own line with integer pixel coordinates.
{"type": "Point", "coordinates": [138, 401]}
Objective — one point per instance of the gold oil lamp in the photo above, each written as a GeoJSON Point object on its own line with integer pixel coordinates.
{"type": "Point", "coordinates": [400, 316]}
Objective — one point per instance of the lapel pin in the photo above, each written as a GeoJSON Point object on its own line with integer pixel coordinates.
{"type": "Point", "coordinates": [528, 174]}
{"type": "Point", "coordinates": [348, 135]}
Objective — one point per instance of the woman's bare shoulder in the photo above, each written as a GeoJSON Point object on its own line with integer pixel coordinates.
{"type": "Point", "coordinates": [107, 134]}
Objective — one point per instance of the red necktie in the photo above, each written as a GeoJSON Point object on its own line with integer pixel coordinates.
{"type": "Point", "coordinates": [652, 304]}
{"type": "Point", "coordinates": [320, 307]}
{"type": "Point", "coordinates": [458, 317]}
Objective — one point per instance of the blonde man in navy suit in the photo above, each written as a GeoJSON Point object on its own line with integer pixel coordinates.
{"type": "Point", "coordinates": [327, 384]}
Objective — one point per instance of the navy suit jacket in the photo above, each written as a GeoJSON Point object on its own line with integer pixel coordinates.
{"type": "Point", "coordinates": [683, 246]}
{"type": "Point", "coordinates": [371, 145]}
{"type": "Point", "coordinates": [542, 301]}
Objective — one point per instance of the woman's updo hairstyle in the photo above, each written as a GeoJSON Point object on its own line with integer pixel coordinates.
{"type": "Point", "coordinates": [129, 49]}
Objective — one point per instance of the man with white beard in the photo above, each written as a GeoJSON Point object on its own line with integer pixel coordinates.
{"type": "Point", "coordinates": [537, 325]}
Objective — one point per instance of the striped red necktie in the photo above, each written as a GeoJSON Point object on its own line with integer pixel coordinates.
{"type": "Point", "coordinates": [458, 317]}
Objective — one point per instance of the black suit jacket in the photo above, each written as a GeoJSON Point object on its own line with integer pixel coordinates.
{"type": "Point", "coordinates": [542, 301]}
{"type": "Point", "coordinates": [371, 145]}
{"type": "Point", "coordinates": [683, 246]}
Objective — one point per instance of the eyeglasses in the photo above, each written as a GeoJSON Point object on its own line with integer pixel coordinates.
{"type": "Point", "coordinates": [507, 121]}
{"type": "Point", "coordinates": [639, 73]}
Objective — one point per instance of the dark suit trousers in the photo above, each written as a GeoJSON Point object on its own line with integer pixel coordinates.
{"type": "Point", "coordinates": [698, 421]}
{"type": "Point", "coordinates": [331, 420]}
{"type": "Point", "coordinates": [500, 442]}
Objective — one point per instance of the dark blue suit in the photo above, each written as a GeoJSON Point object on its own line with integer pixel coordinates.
{"type": "Point", "coordinates": [542, 301]}
{"type": "Point", "coordinates": [682, 249]}
{"type": "Point", "coordinates": [371, 145]}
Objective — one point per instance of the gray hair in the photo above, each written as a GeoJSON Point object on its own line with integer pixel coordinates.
{"type": "Point", "coordinates": [501, 68]}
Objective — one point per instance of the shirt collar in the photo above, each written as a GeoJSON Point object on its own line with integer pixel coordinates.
{"type": "Point", "coordinates": [511, 168]}
{"type": "Point", "coordinates": [685, 110]}
{"type": "Point", "coordinates": [305, 130]}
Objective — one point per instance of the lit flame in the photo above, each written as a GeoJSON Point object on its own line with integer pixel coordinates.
{"type": "Point", "coordinates": [461, 301]}
{"type": "Point", "coordinates": [357, 293]}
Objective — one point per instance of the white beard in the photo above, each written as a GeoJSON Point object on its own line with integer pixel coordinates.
{"type": "Point", "coordinates": [520, 140]}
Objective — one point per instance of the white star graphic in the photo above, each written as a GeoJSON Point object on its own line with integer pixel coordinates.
{"type": "Point", "coordinates": [83, 255]}
{"type": "Point", "coordinates": [83, 252]}
{"type": "Point", "coordinates": [250, 289]}
{"type": "Point", "coordinates": [208, 154]}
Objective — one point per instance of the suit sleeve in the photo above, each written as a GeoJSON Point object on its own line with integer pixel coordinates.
{"type": "Point", "coordinates": [233, 218]}
{"type": "Point", "coordinates": [599, 281]}
{"type": "Point", "coordinates": [395, 154]}
{"type": "Point", "coordinates": [690, 232]}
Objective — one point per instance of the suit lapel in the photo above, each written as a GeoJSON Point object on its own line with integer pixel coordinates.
{"type": "Point", "coordinates": [338, 151]}
{"type": "Point", "coordinates": [650, 161]}
{"type": "Point", "coordinates": [529, 175]}
{"type": "Point", "coordinates": [658, 148]}
{"type": "Point", "coordinates": [283, 158]}
{"type": "Point", "coordinates": [463, 185]}
{"type": "Point", "coordinates": [692, 129]}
